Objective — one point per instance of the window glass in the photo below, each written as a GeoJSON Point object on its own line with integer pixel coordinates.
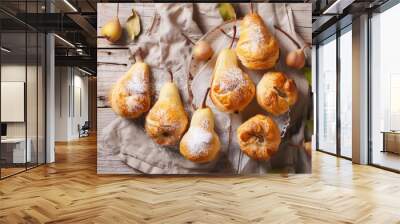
{"type": "Point", "coordinates": [385, 89]}
{"type": "Point", "coordinates": [15, 149]}
{"type": "Point", "coordinates": [346, 94]}
{"type": "Point", "coordinates": [327, 96]}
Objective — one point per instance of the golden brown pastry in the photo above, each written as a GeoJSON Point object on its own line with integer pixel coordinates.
{"type": "Point", "coordinates": [201, 144]}
{"type": "Point", "coordinates": [257, 48]}
{"type": "Point", "coordinates": [276, 93]}
{"type": "Point", "coordinates": [167, 120]}
{"type": "Point", "coordinates": [231, 89]}
{"type": "Point", "coordinates": [259, 137]}
{"type": "Point", "coordinates": [130, 96]}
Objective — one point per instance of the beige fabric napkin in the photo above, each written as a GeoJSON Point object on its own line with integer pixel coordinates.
{"type": "Point", "coordinates": [166, 48]}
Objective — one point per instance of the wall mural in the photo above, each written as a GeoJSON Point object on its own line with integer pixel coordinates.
{"type": "Point", "coordinates": [204, 88]}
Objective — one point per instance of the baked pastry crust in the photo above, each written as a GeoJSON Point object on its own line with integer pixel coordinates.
{"type": "Point", "coordinates": [257, 48]}
{"type": "Point", "coordinates": [276, 93]}
{"type": "Point", "coordinates": [259, 137]}
{"type": "Point", "coordinates": [130, 96]}
{"type": "Point", "coordinates": [166, 122]}
{"type": "Point", "coordinates": [231, 89]}
{"type": "Point", "coordinates": [201, 144]}
{"type": "Point", "coordinates": [210, 152]}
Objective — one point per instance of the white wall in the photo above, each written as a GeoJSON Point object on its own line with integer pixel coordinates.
{"type": "Point", "coordinates": [70, 83]}
{"type": "Point", "coordinates": [80, 84]}
{"type": "Point", "coordinates": [33, 127]}
{"type": "Point", "coordinates": [9, 73]}
{"type": "Point", "coordinates": [16, 72]}
{"type": "Point", "coordinates": [62, 81]}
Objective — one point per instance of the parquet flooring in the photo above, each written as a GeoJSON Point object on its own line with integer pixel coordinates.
{"type": "Point", "coordinates": [70, 191]}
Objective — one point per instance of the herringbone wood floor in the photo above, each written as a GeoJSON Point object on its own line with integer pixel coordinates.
{"type": "Point", "coordinates": [69, 191]}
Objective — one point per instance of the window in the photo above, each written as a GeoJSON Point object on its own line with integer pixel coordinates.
{"type": "Point", "coordinates": [326, 91]}
{"type": "Point", "coordinates": [385, 89]}
{"type": "Point", "coordinates": [22, 75]}
{"type": "Point", "coordinates": [346, 95]}
{"type": "Point", "coordinates": [334, 94]}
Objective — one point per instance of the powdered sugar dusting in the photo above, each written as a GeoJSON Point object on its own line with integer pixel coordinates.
{"type": "Point", "coordinates": [160, 113]}
{"type": "Point", "coordinates": [136, 87]}
{"type": "Point", "coordinates": [256, 37]}
{"type": "Point", "coordinates": [232, 79]}
{"type": "Point", "coordinates": [137, 84]}
{"type": "Point", "coordinates": [162, 116]}
{"type": "Point", "coordinates": [133, 104]}
{"type": "Point", "coordinates": [198, 140]}
{"type": "Point", "coordinates": [205, 124]}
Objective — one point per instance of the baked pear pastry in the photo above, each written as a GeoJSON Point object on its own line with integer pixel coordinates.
{"type": "Point", "coordinates": [231, 88]}
{"type": "Point", "coordinates": [130, 96]}
{"type": "Point", "coordinates": [276, 93]}
{"type": "Point", "coordinates": [259, 137]}
{"type": "Point", "coordinates": [201, 144]}
{"type": "Point", "coordinates": [167, 120]}
{"type": "Point", "coordinates": [257, 48]}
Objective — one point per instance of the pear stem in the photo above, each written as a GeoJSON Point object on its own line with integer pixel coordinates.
{"type": "Point", "coordinates": [170, 75]}
{"type": "Point", "coordinates": [138, 56]}
{"type": "Point", "coordinates": [188, 39]}
{"type": "Point", "coordinates": [153, 22]}
{"type": "Point", "coordinates": [234, 35]}
{"type": "Point", "coordinates": [190, 93]}
{"type": "Point", "coordinates": [251, 7]}
{"type": "Point", "coordinates": [290, 37]}
{"type": "Point", "coordinates": [226, 34]}
{"type": "Point", "coordinates": [118, 10]}
{"type": "Point", "coordinates": [203, 104]}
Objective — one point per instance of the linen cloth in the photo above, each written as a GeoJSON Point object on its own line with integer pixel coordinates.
{"type": "Point", "coordinates": [165, 48]}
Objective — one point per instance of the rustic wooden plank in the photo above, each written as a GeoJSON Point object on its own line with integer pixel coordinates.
{"type": "Point", "coordinates": [300, 6]}
{"type": "Point", "coordinates": [106, 161]}
{"type": "Point", "coordinates": [118, 56]}
{"type": "Point", "coordinates": [305, 34]}
{"type": "Point", "coordinates": [108, 73]}
{"type": "Point", "coordinates": [108, 11]}
{"type": "Point", "coordinates": [146, 11]}
{"type": "Point", "coordinates": [302, 19]}
{"type": "Point", "coordinates": [104, 117]}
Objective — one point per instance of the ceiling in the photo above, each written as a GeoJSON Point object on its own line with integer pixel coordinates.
{"type": "Point", "coordinates": [72, 20]}
{"type": "Point", "coordinates": [330, 15]}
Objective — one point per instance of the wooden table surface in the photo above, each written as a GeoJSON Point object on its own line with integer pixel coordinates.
{"type": "Point", "coordinates": [113, 61]}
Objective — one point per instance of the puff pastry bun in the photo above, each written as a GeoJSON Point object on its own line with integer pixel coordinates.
{"type": "Point", "coordinates": [257, 48]}
{"type": "Point", "coordinates": [276, 93]}
{"type": "Point", "coordinates": [259, 137]}
{"type": "Point", "coordinates": [201, 144]}
{"type": "Point", "coordinates": [130, 96]}
{"type": "Point", "coordinates": [231, 88]}
{"type": "Point", "coordinates": [167, 120]}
